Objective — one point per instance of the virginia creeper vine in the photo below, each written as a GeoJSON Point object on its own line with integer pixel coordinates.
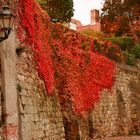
{"type": "Point", "coordinates": [65, 59]}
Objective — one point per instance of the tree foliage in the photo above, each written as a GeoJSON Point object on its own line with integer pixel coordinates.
{"type": "Point", "coordinates": [119, 15]}
{"type": "Point", "coordinates": [58, 10]}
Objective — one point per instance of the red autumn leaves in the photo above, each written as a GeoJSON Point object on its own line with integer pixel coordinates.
{"type": "Point", "coordinates": [64, 58]}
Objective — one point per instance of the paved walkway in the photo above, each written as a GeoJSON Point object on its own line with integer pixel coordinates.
{"type": "Point", "coordinates": [120, 138]}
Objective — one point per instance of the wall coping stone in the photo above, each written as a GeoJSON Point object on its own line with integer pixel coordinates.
{"type": "Point", "coordinates": [127, 67]}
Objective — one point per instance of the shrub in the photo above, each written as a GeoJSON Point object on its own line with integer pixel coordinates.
{"type": "Point", "coordinates": [107, 48]}
{"type": "Point", "coordinates": [93, 34]}
{"type": "Point", "coordinates": [125, 43]}
{"type": "Point", "coordinates": [130, 58]}
{"type": "Point", "coordinates": [136, 50]}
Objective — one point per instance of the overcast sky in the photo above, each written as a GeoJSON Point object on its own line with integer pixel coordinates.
{"type": "Point", "coordinates": [83, 7]}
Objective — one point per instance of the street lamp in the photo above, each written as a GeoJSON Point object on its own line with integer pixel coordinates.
{"type": "Point", "coordinates": [6, 22]}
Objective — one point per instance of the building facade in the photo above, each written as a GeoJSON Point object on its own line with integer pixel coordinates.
{"type": "Point", "coordinates": [94, 22]}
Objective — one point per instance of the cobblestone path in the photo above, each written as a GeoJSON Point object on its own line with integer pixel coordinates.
{"type": "Point", "coordinates": [120, 138]}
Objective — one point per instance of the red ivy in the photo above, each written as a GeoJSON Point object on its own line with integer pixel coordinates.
{"type": "Point", "coordinates": [33, 30]}
{"type": "Point", "coordinates": [80, 74]}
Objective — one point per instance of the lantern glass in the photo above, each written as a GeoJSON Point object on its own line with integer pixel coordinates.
{"type": "Point", "coordinates": [6, 18]}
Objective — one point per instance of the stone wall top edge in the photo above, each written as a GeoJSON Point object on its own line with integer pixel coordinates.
{"type": "Point", "coordinates": [127, 67]}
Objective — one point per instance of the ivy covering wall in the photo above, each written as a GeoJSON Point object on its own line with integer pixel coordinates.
{"type": "Point", "coordinates": [64, 59]}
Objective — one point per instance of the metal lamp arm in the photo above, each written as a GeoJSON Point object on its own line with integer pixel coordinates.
{"type": "Point", "coordinates": [6, 34]}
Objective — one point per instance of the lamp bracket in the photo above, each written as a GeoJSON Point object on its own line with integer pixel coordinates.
{"type": "Point", "coordinates": [5, 32]}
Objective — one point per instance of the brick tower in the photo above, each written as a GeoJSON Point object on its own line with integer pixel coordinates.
{"type": "Point", "coordinates": [94, 16]}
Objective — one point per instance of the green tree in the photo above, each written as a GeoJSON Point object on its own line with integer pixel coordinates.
{"type": "Point", "coordinates": [58, 10]}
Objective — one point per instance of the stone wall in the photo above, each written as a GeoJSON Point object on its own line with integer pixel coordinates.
{"type": "Point", "coordinates": [118, 112]}
{"type": "Point", "coordinates": [1, 120]}
{"type": "Point", "coordinates": [40, 115]}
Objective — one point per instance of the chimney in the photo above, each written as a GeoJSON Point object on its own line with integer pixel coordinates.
{"type": "Point", "coordinates": [94, 16]}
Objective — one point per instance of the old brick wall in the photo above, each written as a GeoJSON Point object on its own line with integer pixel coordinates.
{"type": "Point", "coordinates": [118, 112]}
{"type": "Point", "coordinates": [0, 106]}
{"type": "Point", "coordinates": [40, 114]}
{"type": "Point", "coordinates": [43, 118]}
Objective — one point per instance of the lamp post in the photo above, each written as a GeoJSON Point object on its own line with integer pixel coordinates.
{"type": "Point", "coordinates": [6, 22]}
{"type": "Point", "coordinates": [8, 76]}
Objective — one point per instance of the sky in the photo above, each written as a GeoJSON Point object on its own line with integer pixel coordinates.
{"type": "Point", "coordinates": [83, 7]}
